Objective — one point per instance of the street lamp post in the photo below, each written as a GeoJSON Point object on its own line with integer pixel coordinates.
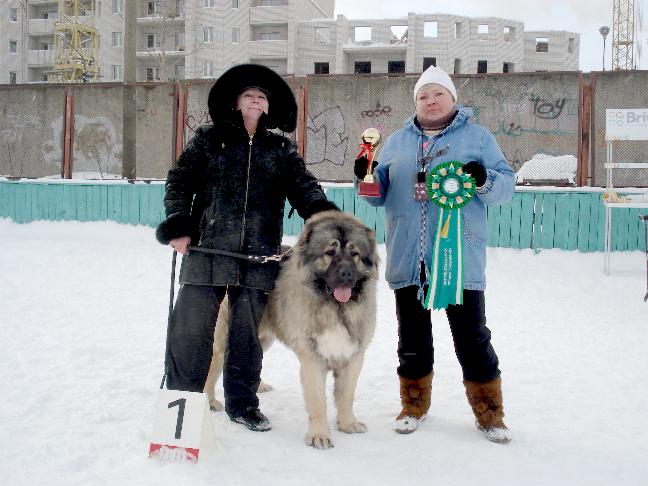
{"type": "Point", "coordinates": [604, 31]}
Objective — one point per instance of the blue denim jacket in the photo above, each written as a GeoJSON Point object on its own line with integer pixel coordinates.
{"type": "Point", "coordinates": [402, 156]}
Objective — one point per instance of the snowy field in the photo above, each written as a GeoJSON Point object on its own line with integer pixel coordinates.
{"type": "Point", "coordinates": [84, 312]}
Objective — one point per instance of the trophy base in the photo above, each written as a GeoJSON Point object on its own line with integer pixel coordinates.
{"type": "Point", "coordinates": [369, 189]}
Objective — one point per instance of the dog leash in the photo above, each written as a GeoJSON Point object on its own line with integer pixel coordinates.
{"type": "Point", "coordinates": [252, 258]}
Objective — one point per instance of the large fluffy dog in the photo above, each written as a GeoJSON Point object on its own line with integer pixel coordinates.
{"type": "Point", "coordinates": [323, 307]}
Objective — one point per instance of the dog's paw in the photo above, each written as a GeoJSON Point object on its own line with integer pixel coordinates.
{"type": "Point", "coordinates": [264, 387]}
{"type": "Point", "coordinates": [319, 441]}
{"type": "Point", "coordinates": [216, 406]}
{"type": "Point", "coordinates": [353, 427]}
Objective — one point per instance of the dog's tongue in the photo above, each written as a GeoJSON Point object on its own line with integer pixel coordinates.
{"type": "Point", "coordinates": [342, 294]}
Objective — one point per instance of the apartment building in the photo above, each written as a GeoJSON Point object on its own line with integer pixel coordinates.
{"type": "Point", "coordinates": [179, 39]}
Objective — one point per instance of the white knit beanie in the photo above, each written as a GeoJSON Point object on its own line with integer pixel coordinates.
{"type": "Point", "coordinates": [435, 75]}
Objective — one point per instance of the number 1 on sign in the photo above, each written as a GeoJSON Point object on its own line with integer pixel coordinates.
{"type": "Point", "coordinates": [181, 409]}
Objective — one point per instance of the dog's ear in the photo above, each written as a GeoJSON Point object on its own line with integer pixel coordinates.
{"type": "Point", "coordinates": [305, 235]}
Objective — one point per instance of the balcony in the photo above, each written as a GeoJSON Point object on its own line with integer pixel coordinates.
{"type": "Point", "coordinates": [157, 19]}
{"type": "Point", "coordinates": [155, 53]}
{"type": "Point", "coordinates": [40, 58]}
{"type": "Point", "coordinates": [374, 47]}
{"type": "Point", "coordinates": [42, 2]}
{"type": "Point", "coordinates": [269, 48]}
{"type": "Point", "coordinates": [269, 15]}
{"type": "Point", "coordinates": [39, 27]}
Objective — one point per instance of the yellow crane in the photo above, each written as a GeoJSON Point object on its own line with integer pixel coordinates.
{"type": "Point", "coordinates": [623, 34]}
{"type": "Point", "coordinates": [76, 43]}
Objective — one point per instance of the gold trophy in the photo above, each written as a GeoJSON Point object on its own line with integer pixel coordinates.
{"type": "Point", "coordinates": [370, 140]}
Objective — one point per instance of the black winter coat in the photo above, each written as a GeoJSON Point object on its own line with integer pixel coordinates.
{"type": "Point", "coordinates": [228, 192]}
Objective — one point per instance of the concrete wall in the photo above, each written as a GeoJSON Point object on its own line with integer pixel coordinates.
{"type": "Point", "coordinates": [618, 89]}
{"type": "Point", "coordinates": [528, 114]}
{"type": "Point", "coordinates": [31, 130]}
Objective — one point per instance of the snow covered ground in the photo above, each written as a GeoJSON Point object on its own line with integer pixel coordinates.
{"type": "Point", "coordinates": [84, 312]}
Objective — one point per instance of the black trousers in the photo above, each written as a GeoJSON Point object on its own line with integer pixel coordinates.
{"type": "Point", "coordinates": [191, 339]}
{"type": "Point", "coordinates": [472, 339]}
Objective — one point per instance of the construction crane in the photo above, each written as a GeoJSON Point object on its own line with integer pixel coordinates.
{"type": "Point", "coordinates": [76, 43]}
{"type": "Point", "coordinates": [623, 34]}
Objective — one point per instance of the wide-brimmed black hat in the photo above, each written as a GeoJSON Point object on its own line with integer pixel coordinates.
{"type": "Point", "coordinates": [282, 112]}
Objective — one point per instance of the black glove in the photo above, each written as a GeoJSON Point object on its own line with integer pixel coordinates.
{"type": "Point", "coordinates": [360, 167]}
{"type": "Point", "coordinates": [317, 206]}
{"type": "Point", "coordinates": [477, 171]}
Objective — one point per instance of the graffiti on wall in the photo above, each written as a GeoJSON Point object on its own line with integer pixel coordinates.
{"type": "Point", "coordinates": [16, 148]}
{"type": "Point", "coordinates": [325, 137]}
{"type": "Point", "coordinates": [195, 120]}
{"type": "Point", "coordinates": [97, 151]}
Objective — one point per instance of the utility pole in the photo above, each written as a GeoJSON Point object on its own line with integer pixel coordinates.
{"type": "Point", "coordinates": [129, 125]}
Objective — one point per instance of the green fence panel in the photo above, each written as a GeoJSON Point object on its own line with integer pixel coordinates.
{"type": "Point", "coordinates": [548, 221]}
{"type": "Point", "coordinates": [533, 219]}
{"type": "Point", "coordinates": [583, 222]}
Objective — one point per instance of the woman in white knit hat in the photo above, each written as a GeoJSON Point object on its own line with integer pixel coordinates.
{"type": "Point", "coordinates": [440, 131]}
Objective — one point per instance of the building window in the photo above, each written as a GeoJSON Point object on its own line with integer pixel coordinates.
{"type": "Point", "coordinates": [482, 29]}
{"type": "Point", "coordinates": [236, 36]}
{"type": "Point", "coordinates": [362, 67]}
{"type": "Point", "coordinates": [152, 7]}
{"type": "Point", "coordinates": [395, 66]}
{"type": "Point", "coordinates": [117, 39]}
{"type": "Point", "coordinates": [208, 3]}
{"type": "Point", "coordinates": [46, 46]}
{"type": "Point", "coordinates": [322, 35]}
{"type": "Point", "coordinates": [235, 3]}
{"type": "Point", "coordinates": [13, 47]}
{"type": "Point", "coordinates": [362, 34]}
{"type": "Point", "coordinates": [570, 45]}
{"type": "Point", "coordinates": [152, 41]}
{"type": "Point", "coordinates": [428, 61]}
{"type": "Point", "coordinates": [13, 15]}
{"type": "Point", "coordinates": [482, 66]}
{"type": "Point", "coordinates": [509, 34]}
{"type": "Point", "coordinates": [269, 36]}
{"type": "Point", "coordinates": [458, 30]}
{"type": "Point", "coordinates": [457, 66]}
{"type": "Point", "coordinates": [321, 68]}
{"type": "Point", "coordinates": [208, 69]}
{"type": "Point", "coordinates": [542, 44]}
{"type": "Point", "coordinates": [398, 34]}
{"type": "Point", "coordinates": [152, 73]}
{"type": "Point", "coordinates": [45, 77]}
{"type": "Point", "coordinates": [208, 35]}
{"type": "Point", "coordinates": [508, 67]}
{"type": "Point", "coordinates": [12, 77]}
{"type": "Point", "coordinates": [117, 6]}
{"type": "Point", "coordinates": [180, 41]}
{"type": "Point", "coordinates": [430, 29]}
{"type": "Point", "coordinates": [117, 72]}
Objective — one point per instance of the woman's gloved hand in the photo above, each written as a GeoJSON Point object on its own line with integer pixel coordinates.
{"type": "Point", "coordinates": [477, 171]}
{"type": "Point", "coordinates": [360, 167]}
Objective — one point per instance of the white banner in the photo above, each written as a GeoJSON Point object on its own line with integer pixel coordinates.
{"type": "Point", "coordinates": [623, 124]}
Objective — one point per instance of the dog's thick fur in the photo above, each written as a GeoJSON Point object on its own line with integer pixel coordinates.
{"type": "Point", "coordinates": [323, 307]}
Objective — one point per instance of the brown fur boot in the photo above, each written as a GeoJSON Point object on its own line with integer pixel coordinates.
{"type": "Point", "coordinates": [486, 402]}
{"type": "Point", "coordinates": [415, 398]}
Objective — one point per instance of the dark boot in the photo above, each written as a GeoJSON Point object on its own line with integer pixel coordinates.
{"type": "Point", "coordinates": [486, 402]}
{"type": "Point", "coordinates": [415, 399]}
{"type": "Point", "coordinates": [253, 419]}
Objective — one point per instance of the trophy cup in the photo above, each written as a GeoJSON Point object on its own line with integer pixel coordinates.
{"type": "Point", "coordinates": [370, 140]}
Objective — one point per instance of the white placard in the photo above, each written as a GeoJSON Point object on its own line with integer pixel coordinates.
{"type": "Point", "coordinates": [181, 425]}
{"type": "Point", "coordinates": [623, 124]}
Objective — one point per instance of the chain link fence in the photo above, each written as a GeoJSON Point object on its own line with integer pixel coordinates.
{"type": "Point", "coordinates": [618, 89]}
{"type": "Point", "coordinates": [535, 117]}
{"type": "Point", "coordinates": [31, 128]}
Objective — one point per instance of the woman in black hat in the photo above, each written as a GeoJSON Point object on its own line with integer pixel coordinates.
{"type": "Point", "coordinates": [228, 193]}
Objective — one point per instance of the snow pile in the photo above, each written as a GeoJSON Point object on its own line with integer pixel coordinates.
{"type": "Point", "coordinates": [543, 167]}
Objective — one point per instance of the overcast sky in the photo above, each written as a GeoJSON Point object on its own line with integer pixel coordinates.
{"type": "Point", "coordinates": [581, 16]}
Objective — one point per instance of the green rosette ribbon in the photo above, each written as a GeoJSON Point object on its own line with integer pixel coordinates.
{"type": "Point", "coordinates": [449, 188]}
